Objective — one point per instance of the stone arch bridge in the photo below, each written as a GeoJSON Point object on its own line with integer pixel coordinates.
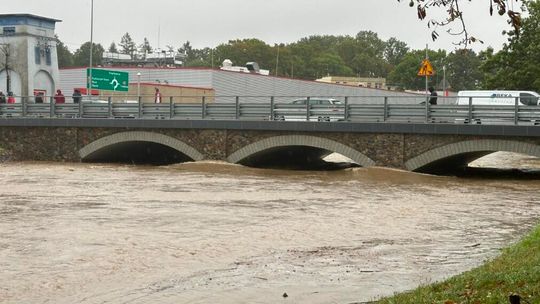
{"type": "Point", "coordinates": [413, 147]}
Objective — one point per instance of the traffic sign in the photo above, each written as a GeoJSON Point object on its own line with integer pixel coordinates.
{"type": "Point", "coordinates": [108, 80]}
{"type": "Point", "coordinates": [426, 69]}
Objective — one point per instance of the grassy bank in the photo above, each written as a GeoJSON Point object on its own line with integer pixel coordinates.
{"type": "Point", "coordinates": [516, 271]}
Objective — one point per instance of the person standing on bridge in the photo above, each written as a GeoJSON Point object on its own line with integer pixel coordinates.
{"type": "Point", "coordinates": [11, 98]}
{"type": "Point", "coordinates": [39, 97]}
{"type": "Point", "coordinates": [433, 96]}
{"type": "Point", "coordinates": [157, 96]}
{"type": "Point", "coordinates": [2, 97]}
{"type": "Point", "coordinates": [76, 96]}
{"type": "Point", "coordinates": [59, 97]}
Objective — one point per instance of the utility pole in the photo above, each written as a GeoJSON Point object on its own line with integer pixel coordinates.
{"type": "Point", "coordinates": [277, 60]}
{"type": "Point", "coordinates": [89, 91]}
{"type": "Point", "coordinates": [444, 80]}
{"type": "Point", "coordinates": [427, 77]}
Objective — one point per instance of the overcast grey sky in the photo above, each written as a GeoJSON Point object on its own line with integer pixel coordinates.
{"type": "Point", "coordinates": [208, 23]}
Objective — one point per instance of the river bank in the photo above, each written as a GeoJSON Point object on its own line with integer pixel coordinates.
{"type": "Point", "coordinates": [515, 272]}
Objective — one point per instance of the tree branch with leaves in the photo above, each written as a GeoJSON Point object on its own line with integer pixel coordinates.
{"type": "Point", "coordinates": [455, 15]}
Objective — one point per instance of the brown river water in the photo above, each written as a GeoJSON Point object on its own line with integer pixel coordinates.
{"type": "Point", "coordinates": [219, 233]}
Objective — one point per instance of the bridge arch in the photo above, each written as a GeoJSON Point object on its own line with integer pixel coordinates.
{"type": "Point", "coordinates": [300, 140]}
{"type": "Point", "coordinates": [106, 142]}
{"type": "Point", "coordinates": [461, 153]}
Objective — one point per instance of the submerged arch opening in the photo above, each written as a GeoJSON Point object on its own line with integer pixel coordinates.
{"type": "Point", "coordinates": [139, 148]}
{"type": "Point", "coordinates": [468, 158]}
{"type": "Point", "coordinates": [137, 152]}
{"type": "Point", "coordinates": [298, 158]}
{"type": "Point", "coordinates": [453, 164]}
{"type": "Point", "coordinates": [298, 152]}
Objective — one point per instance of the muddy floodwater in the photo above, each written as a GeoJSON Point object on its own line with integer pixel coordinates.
{"type": "Point", "coordinates": [219, 233]}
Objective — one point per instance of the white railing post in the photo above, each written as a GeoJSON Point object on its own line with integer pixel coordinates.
{"type": "Point", "coordinates": [109, 101]}
{"type": "Point", "coordinates": [51, 104]}
{"type": "Point", "coordinates": [81, 108]}
{"type": "Point", "coordinates": [203, 107]}
{"type": "Point", "coordinates": [307, 108]}
{"type": "Point", "coordinates": [272, 108]}
{"type": "Point", "coordinates": [346, 110]}
{"type": "Point", "coordinates": [470, 114]}
{"type": "Point", "coordinates": [516, 111]}
{"type": "Point", "coordinates": [385, 109]}
{"type": "Point", "coordinates": [428, 106]}
{"type": "Point", "coordinates": [171, 107]}
{"type": "Point", "coordinates": [237, 108]}
{"type": "Point", "coordinates": [140, 107]}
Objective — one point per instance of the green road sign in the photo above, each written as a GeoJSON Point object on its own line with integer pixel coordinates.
{"type": "Point", "coordinates": [109, 80]}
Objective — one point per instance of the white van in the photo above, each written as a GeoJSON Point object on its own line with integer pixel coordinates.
{"type": "Point", "coordinates": [498, 98]}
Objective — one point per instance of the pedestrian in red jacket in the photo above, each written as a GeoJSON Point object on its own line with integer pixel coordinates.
{"type": "Point", "coordinates": [11, 98]}
{"type": "Point", "coordinates": [59, 97]}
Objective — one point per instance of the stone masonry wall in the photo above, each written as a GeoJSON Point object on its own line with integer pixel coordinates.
{"type": "Point", "coordinates": [63, 144]}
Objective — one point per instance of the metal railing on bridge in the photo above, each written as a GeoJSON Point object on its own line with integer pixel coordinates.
{"type": "Point", "coordinates": [379, 109]}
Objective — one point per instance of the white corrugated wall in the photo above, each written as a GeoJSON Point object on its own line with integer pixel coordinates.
{"type": "Point", "coordinates": [227, 83]}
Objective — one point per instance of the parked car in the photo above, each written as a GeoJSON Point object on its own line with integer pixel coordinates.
{"type": "Point", "coordinates": [320, 109]}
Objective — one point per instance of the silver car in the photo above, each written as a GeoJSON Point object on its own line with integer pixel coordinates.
{"type": "Point", "coordinates": [318, 109]}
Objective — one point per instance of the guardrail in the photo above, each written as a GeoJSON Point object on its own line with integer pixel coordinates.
{"type": "Point", "coordinates": [383, 111]}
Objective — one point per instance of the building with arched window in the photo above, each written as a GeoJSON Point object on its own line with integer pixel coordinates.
{"type": "Point", "coordinates": [28, 58]}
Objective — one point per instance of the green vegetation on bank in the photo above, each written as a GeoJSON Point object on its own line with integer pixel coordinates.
{"type": "Point", "coordinates": [516, 271]}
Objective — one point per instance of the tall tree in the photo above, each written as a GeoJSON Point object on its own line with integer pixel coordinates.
{"type": "Point", "coordinates": [188, 53]}
{"type": "Point", "coordinates": [127, 45]}
{"type": "Point", "coordinates": [517, 65]}
{"type": "Point", "coordinates": [6, 62]}
{"type": "Point", "coordinates": [395, 50]}
{"type": "Point", "coordinates": [113, 48]}
{"type": "Point", "coordinates": [369, 61]}
{"type": "Point", "coordinates": [307, 55]}
{"type": "Point", "coordinates": [463, 70]}
{"type": "Point", "coordinates": [145, 48]}
{"type": "Point", "coordinates": [81, 57]}
{"type": "Point", "coordinates": [330, 64]}
{"type": "Point", "coordinates": [65, 58]}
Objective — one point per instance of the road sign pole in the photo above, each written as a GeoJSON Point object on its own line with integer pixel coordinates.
{"type": "Point", "coordinates": [427, 58]}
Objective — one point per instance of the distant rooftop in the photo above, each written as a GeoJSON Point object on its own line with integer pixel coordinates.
{"type": "Point", "coordinates": [4, 17]}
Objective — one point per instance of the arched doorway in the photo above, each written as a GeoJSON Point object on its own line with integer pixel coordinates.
{"type": "Point", "coordinates": [43, 82]}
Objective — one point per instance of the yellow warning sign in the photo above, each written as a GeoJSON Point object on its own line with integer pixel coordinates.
{"type": "Point", "coordinates": [426, 69]}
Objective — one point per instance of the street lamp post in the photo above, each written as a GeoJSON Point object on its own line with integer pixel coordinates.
{"type": "Point", "coordinates": [139, 86]}
{"type": "Point", "coordinates": [444, 79]}
{"type": "Point", "coordinates": [89, 91]}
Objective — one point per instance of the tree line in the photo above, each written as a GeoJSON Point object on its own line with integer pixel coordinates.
{"type": "Point", "coordinates": [515, 66]}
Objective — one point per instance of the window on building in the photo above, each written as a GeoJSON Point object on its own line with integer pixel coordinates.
{"type": "Point", "coordinates": [9, 30]}
{"type": "Point", "coordinates": [37, 54]}
{"type": "Point", "coordinates": [48, 59]}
